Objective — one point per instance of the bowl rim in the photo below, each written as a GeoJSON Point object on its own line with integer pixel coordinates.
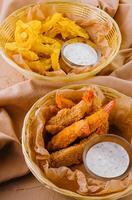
{"type": "Point", "coordinates": [66, 78]}
{"type": "Point", "coordinates": [109, 138]}
{"type": "Point", "coordinates": [73, 65]}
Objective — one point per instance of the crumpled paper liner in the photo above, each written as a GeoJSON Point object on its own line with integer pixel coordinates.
{"type": "Point", "coordinates": [76, 178]}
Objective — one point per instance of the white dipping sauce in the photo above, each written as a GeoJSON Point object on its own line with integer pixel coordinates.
{"type": "Point", "coordinates": [107, 159]}
{"type": "Point", "coordinates": [80, 54]}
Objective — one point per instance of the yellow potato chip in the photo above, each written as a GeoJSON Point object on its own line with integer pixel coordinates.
{"type": "Point", "coordinates": [26, 34]}
{"type": "Point", "coordinates": [55, 56]}
{"type": "Point", "coordinates": [60, 41]}
{"type": "Point", "coordinates": [53, 32]}
{"type": "Point", "coordinates": [27, 54]}
{"type": "Point", "coordinates": [41, 48]}
{"type": "Point", "coordinates": [72, 29]}
{"type": "Point", "coordinates": [46, 39]}
{"type": "Point", "coordinates": [67, 28]}
{"type": "Point", "coordinates": [40, 66]}
{"type": "Point", "coordinates": [35, 25]}
{"type": "Point", "coordinates": [51, 22]}
{"type": "Point", "coordinates": [11, 46]}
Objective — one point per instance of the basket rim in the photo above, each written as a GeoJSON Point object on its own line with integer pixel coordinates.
{"type": "Point", "coordinates": [66, 78]}
{"type": "Point", "coordinates": [33, 166]}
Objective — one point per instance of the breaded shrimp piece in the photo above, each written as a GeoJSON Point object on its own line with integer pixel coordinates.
{"type": "Point", "coordinates": [80, 129]}
{"type": "Point", "coordinates": [76, 95]}
{"type": "Point", "coordinates": [67, 116]}
{"type": "Point", "coordinates": [73, 154]}
{"type": "Point", "coordinates": [63, 102]}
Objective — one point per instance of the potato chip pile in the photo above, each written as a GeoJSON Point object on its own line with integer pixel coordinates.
{"type": "Point", "coordinates": [39, 42]}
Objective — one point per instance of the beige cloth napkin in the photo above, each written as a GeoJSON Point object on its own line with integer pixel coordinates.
{"type": "Point", "coordinates": [18, 94]}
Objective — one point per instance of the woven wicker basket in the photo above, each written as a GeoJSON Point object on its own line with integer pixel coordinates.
{"type": "Point", "coordinates": [110, 94]}
{"type": "Point", "coordinates": [81, 10]}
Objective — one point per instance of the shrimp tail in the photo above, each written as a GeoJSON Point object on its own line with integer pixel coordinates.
{"type": "Point", "coordinates": [88, 96]}
{"type": "Point", "coordinates": [63, 102]}
{"type": "Point", "coordinates": [108, 107]}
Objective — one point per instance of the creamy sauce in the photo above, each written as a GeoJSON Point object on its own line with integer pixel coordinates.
{"type": "Point", "coordinates": [80, 54]}
{"type": "Point", "coordinates": [107, 159]}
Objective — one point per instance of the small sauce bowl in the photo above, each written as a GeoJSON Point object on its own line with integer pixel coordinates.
{"type": "Point", "coordinates": [112, 139]}
{"type": "Point", "coordinates": [74, 65]}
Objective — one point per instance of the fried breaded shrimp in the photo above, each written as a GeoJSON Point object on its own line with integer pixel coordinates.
{"type": "Point", "coordinates": [80, 129]}
{"type": "Point", "coordinates": [63, 102]}
{"type": "Point", "coordinates": [73, 155]}
{"type": "Point", "coordinates": [67, 116]}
